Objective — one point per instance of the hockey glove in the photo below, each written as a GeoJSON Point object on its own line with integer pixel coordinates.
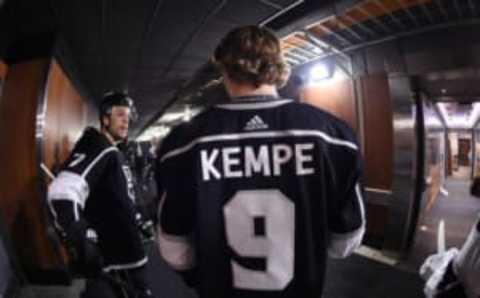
{"type": "Point", "coordinates": [146, 228]}
{"type": "Point", "coordinates": [81, 242]}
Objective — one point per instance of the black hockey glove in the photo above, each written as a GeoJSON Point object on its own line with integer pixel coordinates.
{"type": "Point", "coordinates": [81, 243]}
{"type": "Point", "coordinates": [146, 228]}
{"type": "Point", "coordinates": [450, 286]}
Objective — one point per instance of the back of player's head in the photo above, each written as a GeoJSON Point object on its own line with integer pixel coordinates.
{"type": "Point", "coordinates": [252, 55]}
{"type": "Point", "coordinates": [112, 99]}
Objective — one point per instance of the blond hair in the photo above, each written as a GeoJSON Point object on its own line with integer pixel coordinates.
{"type": "Point", "coordinates": [252, 55]}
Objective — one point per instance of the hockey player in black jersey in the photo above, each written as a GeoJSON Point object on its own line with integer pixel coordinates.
{"type": "Point", "coordinates": [257, 192]}
{"type": "Point", "coordinates": [93, 203]}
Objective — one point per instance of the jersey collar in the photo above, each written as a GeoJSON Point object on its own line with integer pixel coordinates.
{"type": "Point", "coordinates": [254, 104]}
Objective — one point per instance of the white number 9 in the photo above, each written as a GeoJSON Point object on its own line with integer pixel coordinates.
{"type": "Point", "coordinates": [276, 244]}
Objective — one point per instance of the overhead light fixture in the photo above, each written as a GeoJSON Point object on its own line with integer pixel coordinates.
{"type": "Point", "coordinates": [462, 121]}
{"type": "Point", "coordinates": [320, 71]}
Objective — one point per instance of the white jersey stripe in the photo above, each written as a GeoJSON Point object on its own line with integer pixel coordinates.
{"type": "Point", "coordinates": [97, 159]}
{"type": "Point", "coordinates": [360, 202]}
{"type": "Point", "coordinates": [254, 105]}
{"type": "Point", "coordinates": [137, 264]}
{"type": "Point", "coordinates": [256, 135]}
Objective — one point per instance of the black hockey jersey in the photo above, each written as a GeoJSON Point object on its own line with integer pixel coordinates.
{"type": "Point", "coordinates": [96, 182]}
{"type": "Point", "coordinates": [256, 194]}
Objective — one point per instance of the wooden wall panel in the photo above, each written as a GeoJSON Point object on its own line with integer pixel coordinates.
{"type": "Point", "coordinates": [3, 70]}
{"type": "Point", "coordinates": [22, 197]}
{"type": "Point", "coordinates": [335, 98]}
{"type": "Point", "coordinates": [20, 203]}
{"type": "Point", "coordinates": [66, 118]}
{"type": "Point", "coordinates": [378, 132]}
{"type": "Point", "coordinates": [3, 74]}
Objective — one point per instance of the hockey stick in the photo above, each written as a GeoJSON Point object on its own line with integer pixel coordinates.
{"type": "Point", "coordinates": [47, 171]}
{"type": "Point", "coordinates": [441, 242]}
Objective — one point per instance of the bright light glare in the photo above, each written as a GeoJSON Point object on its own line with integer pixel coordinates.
{"type": "Point", "coordinates": [170, 117]}
{"type": "Point", "coordinates": [319, 72]}
{"type": "Point", "coordinates": [187, 114]}
{"type": "Point", "coordinates": [462, 121]}
{"type": "Point", "coordinates": [156, 131]}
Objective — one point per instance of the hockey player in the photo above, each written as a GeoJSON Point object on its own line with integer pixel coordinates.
{"type": "Point", "coordinates": [93, 203]}
{"type": "Point", "coordinates": [256, 193]}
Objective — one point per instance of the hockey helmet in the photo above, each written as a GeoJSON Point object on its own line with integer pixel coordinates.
{"type": "Point", "coordinates": [113, 98]}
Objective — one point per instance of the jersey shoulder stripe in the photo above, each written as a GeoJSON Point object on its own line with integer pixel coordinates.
{"type": "Point", "coordinates": [256, 135]}
{"type": "Point", "coordinates": [97, 159]}
{"type": "Point", "coordinates": [254, 105]}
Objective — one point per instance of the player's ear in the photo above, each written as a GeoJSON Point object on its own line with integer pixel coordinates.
{"type": "Point", "coordinates": [105, 121]}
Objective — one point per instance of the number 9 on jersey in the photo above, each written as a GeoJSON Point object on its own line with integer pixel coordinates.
{"type": "Point", "coordinates": [275, 214]}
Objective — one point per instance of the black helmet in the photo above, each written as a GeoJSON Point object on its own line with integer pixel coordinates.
{"type": "Point", "coordinates": [113, 98]}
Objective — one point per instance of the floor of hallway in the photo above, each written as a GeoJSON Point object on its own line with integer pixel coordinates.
{"type": "Point", "coordinates": [458, 210]}
{"type": "Point", "coordinates": [356, 276]}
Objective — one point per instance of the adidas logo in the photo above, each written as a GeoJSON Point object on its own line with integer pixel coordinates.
{"type": "Point", "coordinates": [255, 123]}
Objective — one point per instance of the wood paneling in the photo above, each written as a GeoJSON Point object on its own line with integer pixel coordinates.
{"type": "Point", "coordinates": [335, 98]}
{"type": "Point", "coordinates": [66, 117]}
{"type": "Point", "coordinates": [20, 202]}
{"type": "Point", "coordinates": [3, 74]}
{"type": "Point", "coordinates": [3, 70]}
{"type": "Point", "coordinates": [378, 132]}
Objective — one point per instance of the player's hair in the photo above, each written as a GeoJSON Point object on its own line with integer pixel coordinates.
{"type": "Point", "coordinates": [253, 55]}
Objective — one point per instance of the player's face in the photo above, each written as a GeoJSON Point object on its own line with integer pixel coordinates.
{"type": "Point", "coordinates": [117, 122]}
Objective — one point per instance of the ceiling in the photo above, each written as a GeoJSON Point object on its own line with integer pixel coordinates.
{"type": "Point", "coordinates": [459, 85]}
{"type": "Point", "coordinates": [150, 48]}
{"type": "Point", "coordinates": [158, 50]}
{"type": "Point", "coordinates": [350, 27]}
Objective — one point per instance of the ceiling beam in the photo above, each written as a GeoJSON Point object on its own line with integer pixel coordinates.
{"type": "Point", "coordinates": [301, 49]}
{"type": "Point", "coordinates": [296, 56]}
{"type": "Point", "coordinates": [349, 29]}
{"type": "Point", "coordinates": [375, 20]}
{"type": "Point", "coordinates": [281, 12]}
{"type": "Point", "coordinates": [390, 14]}
{"type": "Point", "coordinates": [271, 4]}
{"type": "Point", "coordinates": [406, 34]}
{"type": "Point", "coordinates": [409, 13]}
{"type": "Point", "coordinates": [442, 9]}
{"type": "Point", "coordinates": [337, 35]}
{"type": "Point", "coordinates": [362, 26]}
{"type": "Point", "coordinates": [291, 61]}
{"type": "Point", "coordinates": [423, 6]}
{"type": "Point", "coordinates": [328, 48]}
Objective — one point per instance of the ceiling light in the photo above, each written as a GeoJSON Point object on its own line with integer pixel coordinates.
{"type": "Point", "coordinates": [320, 72]}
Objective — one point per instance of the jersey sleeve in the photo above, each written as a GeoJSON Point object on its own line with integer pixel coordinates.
{"type": "Point", "coordinates": [177, 207]}
{"type": "Point", "coordinates": [346, 212]}
{"type": "Point", "coordinates": [68, 193]}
